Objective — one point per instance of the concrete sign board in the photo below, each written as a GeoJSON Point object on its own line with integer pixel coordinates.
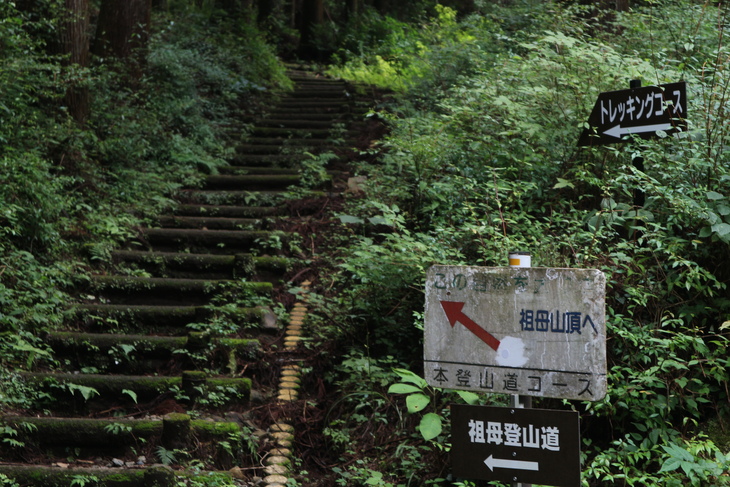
{"type": "Point", "coordinates": [530, 331]}
{"type": "Point", "coordinates": [539, 446]}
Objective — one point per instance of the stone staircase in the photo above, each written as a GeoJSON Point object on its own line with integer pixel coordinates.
{"type": "Point", "coordinates": [163, 358]}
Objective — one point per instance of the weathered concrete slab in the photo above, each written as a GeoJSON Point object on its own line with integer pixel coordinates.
{"type": "Point", "coordinates": [530, 331]}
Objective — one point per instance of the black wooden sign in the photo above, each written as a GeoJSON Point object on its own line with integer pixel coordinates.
{"type": "Point", "coordinates": [539, 446]}
{"type": "Point", "coordinates": [643, 112]}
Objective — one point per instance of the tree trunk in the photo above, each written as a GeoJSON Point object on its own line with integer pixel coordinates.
{"type": "Point", "coordinates": [312, 16]}
{"type": "Point", "coordinates": [74, 42]}
{"type": "Point", "coordinates": [233, 7]}
{"type": "Point", "coordinates": [265, 9]}
{"type": "Point", "coordinates": [351, 9]}
{"type": "Point", "coordinates": [622, 5]}
{"type": "Point", "coordinates": [123, 30]}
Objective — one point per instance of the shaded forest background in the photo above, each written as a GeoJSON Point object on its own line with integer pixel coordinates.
{"type": "Point", "coordinates": [109, 107]}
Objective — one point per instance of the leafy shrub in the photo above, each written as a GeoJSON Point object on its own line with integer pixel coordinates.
{"type": "Point", "coordinates": [73, 191]}
{"type": "Point", "coordinates": [481, 160]}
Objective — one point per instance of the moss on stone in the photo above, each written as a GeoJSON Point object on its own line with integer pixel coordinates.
{"type": "Point", "coordinates": [212, 430]}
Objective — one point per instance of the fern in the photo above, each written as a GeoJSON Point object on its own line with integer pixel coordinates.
{"type": "Point", "coordinates": [167, 457]}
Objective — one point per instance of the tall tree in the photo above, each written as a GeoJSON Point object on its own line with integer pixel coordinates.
{"type": "Point", "coordinates": [74, 43]}
{"type": "Point", "coordinates": [312, 16]}
{"type": "Point", "coordinates": [352, 7]}
{"type": "Point", "coordinates": [123, 30]}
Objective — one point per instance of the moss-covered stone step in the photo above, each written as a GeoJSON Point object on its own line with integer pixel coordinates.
{"type": "Point", "coordinates": [322, 98]}
{"type": "Point", "coordinates": [321, 84]}
{"type": "Point", "coordinates": [305, 115]}
{"type": "Point", "coordinates": [327, 92]}
{"type": "Point", "coordinates": [97, 476]}
{"type": "Point", "coordinates": [68, 342]}
{"type": "Point", "coordinates": [282, 142]}
{"type": "Point", "coordinates": [43, 476]}
{"type": "Point", "coordinates": [227, 211]}
{"type": "Point", "coordinates": [155, 317]}
{"type": "Point", "coordinates": [183, 265]}
{"type": "Point", "coordinates": [251, 182]}
{"type": "Point", "coordinates": [98, 316]}
{"type": "Point", "coordinates": [193, 387]}
{"type": "Point", "coordinates": [218, 241]}
{"type": "Point", "coordinates": [310, 113]}
{"type": "Point", "coordinates": [285, 132]}
{"type": "Point", "coordinates": [295, 124]}
{"type": "Point", "coordinates": [232, 198]}
{"type": "Point", "coordinates": [305, 78]}
{"type": "Point", "coordinates": [175, 431]}
{"type": "Point", "coordinates": [302, 110]}
{"type": "Point", "coordinates": [208, 222]}
{"type": "Point", "coordinates": [158, 290]}
{"type": "Point", "coordinates": [259, 149]}
{"type": "Point", "coordinates": [114, 353]}
{"type": "Point", "coordinates": [257, 170]}
{"type": "Point", "coordinates": [310, 133]}
{"type": "Point", "coordinates": [139, 354]}
{"type": "Point", "coordinates": [339, 91]}
{"type": "Point", "coordinates": [163, 346]}
{"type": "Point", "coordinates": [202, 266]}
{"type": "Point", "coordinates": [276, 159]}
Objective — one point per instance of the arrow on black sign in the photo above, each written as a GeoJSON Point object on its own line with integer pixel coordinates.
{"type": "Point", "coordinates": [493, 463]}
{"type": "Point", "coordinates": [619, 113]}
{"type": "Point", "coordinates": [618, 131]}
{"type": "Point", "coordinates": [454, 313]}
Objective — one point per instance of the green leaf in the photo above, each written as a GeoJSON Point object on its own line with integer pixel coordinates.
{"type": "Point", "coordinates": [430, 426]}
{"type": "Point", "coordinates": [563, 183]}
{"type": "Point", "coordinates": [86, 392]}
{"type": "Point", "coordinates": [23, 346]}
{"type": "Point", "coordinates": [408, 376]}
{"type": "Point", "coordinates": [379, 220]}
{"type": "Point", "coordinates": [468, 397]}
{"type": "Point", "coordinates": [417, 402]}
{"type": "Point", "coordinates": [350, 219]}
{"type": "Point", "coordinates": [131, 394]}
{"type": "Point", "coordinates": [713, 195]}
{"type": "Point", "coordinates": [401, 388]}
{"type": "Point", "coordinates": [670, 465]}
{"type": "Point", "coordinates": [722, 230]}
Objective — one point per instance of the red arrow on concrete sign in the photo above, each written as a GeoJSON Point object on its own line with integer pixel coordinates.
{"type": "Point", "coordinates": [454, 313]}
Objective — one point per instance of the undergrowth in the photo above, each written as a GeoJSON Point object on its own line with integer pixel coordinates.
{"type": "Point", "coordinates": [482, 160]}
{"type": "Point", "coordinates": [72, 191]}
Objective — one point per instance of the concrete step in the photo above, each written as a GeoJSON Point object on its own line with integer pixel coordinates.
{"type": "Point", "coordinates": [169, 291]}
{"type": "Point", "coordinates": [213, 241]}
{"type": "Point", "coordinates": [139, 354]}
{"type": "Point", "coordinates": [252, 199]}
{"type": "Point", "coordinates": [255, 170]}
{"type": "Point", "coordinates": [144, 388]}
{"type": "Point", "coordinates": [227, 211]}
{"type": "Point", "coordinates": [203, 266]}
{"type": "Point", "coordinates": [251, 182]}
{"type": "Point", "coordinates": [209, 223]}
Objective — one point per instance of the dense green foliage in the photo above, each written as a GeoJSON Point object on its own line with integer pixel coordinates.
{"type": "Point", "coordinates": [482, 160]}
{"type": "Point", "coordinates": [71, 192]}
